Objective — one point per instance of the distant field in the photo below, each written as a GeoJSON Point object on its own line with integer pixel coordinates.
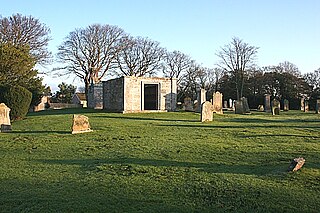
{"type": "Point", "coordinates": [161, 162]}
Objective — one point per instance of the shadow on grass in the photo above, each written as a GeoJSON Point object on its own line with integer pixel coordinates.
{"type": "Point", "coordinates": [64, 111]}
{"type": "Point", "coordinates": [259, 170]}
{"type": "Point", "coordinates": [235, 127]}
{"type": "Point", "coordinates": [283, 120]}
{"type": "Point", "coordinates": [145, 119]}
{"type": "Point", "coordinates": [41, 132]}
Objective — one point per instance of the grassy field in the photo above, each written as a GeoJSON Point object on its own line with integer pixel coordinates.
{"type": "Point", "coordinates": [161, 162]}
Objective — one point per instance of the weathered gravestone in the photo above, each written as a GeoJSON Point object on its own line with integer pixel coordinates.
{"type": "Point", "coordinates": [275, 107]}
{"type": "Point", "coordinates": [242, 106]}
{"type": "Point", "coordinates": [238, 105]}
{"type": "Point", "coordinates": [206, 112]}
{"type": "Point", "coordinates": [267, 100]}
{"type": "Point", "coordinates": [188, 104]}
{"type": "Point", "coordinates": [306, 106]}
{"type": "Point", "coordinates": [302, 104]}
{"type": "Point", "coordinates": [296, 164]}
{"type": "Point", "coordinates": [245, 105]}
{"type": "Point", "coordinates": [201, 98]}
{"type": "Point", "coordinates": [5, 118]}
{"type": "Point", "coordinates": [285, 105]}
{"type": "Point", "coordinates": [261, 108]}
{"type": "Point", "coordinates": [217, 103]}
{"type": "Point", "coordinates": [80, 124]}
{"type": "Point", "coordinates": [318, 106]}
{"type": "Point", "coordinates": [225, 104]}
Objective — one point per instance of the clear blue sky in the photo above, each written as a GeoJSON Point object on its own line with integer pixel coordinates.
{"type": "Point", "coordinates": [282, 29]}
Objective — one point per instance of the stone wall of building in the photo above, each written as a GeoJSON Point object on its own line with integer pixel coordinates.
{"type": "Point", "coordinates": [95, 96]}
{"type": "Point", "coordinates": [113, 95]}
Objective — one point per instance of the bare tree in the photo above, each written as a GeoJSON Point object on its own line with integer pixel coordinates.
{"type": "Point", "coordinates": [26, 31]}
{"type": "Point", "coordinates": [90, 52]}
{"type": "Point", "coordinates": [175, 65]}
{"type": "Point", "coordinates": [236, 58]}
{"type": "Point", "coordinates": [139, 57]}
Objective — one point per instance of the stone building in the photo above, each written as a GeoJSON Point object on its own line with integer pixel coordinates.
{"type": "Point", "coordinates": [134, 94]}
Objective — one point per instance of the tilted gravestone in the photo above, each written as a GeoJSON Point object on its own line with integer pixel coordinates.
{"type": "Point", "coordinates": [275, 104]}
{"type": "Point", "coordinates": [217, 103]}
{"type": "Point", "coordinates": [318, 106]}
{"type": "Point", "coordinates": [261, 108]}
{"type": "Point", "coordinates": [285, 105]}
{"type": "Point", "coordinates": [206, 112]}
{"type": "Point", "coordinates": [267, 100]}
{"type": "Point", "coordinates": [296, 164]}
{"type": "Point", "coordinates": [80, 124]}
{"type": "Point", "coordinates": [201, 98]}
{"type": "Point", "coordinates": [5, 118]}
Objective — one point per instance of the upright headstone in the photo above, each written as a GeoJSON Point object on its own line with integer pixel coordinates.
{"type": "Point", "coordinates": [217, 103]}
{"type": "Point", "coordinates": [285, 105]}
{"type": "Point", "coordinates": [5, 118]}
{"type": "Point", "coordinates": [306, 106]}
{"type": "Point", "coordinates": [238, 105]}
{"type": "Point", "coordinates": [267, 100]}
{"type": "Point", "coordinates": [245, 105]}
{"type": "Point", "coordinates": [230, 103]}
{"type": "Point", "coordinates": [188, 104]}
{"type": "Point", "coordinates": [206, 112]}
{"type": "Point", "coordinates": [225, 104]}
{"type": "Point", "coordinates": [318, 106]}
{"type": "Point", "coordinates": [302, 104]}
{"type": "Point", "coordinates": [80, 124]}
{"type": "Point", "coordinates": [201, 99]}
{"type": "Point", "coordinates": [275, 107]}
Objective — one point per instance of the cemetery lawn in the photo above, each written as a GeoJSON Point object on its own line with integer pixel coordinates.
{"type": "Point", "coordinates": [161, 162]}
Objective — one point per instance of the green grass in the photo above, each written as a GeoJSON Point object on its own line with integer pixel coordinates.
{"type": "Point", "coordinates": [161, 162]}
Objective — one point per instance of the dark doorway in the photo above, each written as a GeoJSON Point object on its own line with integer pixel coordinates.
{"type": "Point", "coordinates": [151, 97]}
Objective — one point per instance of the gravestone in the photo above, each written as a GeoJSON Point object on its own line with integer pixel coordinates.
{"type": "Point", "coordinates": [217, 103]}
{"type": "Point", "coordinates": [285, 105]}
{"type": "Point", "coordinates": [296, 164]}
{"type": "Point", "coordinates": [275, 107]}
{"type": "Point", "coordinates": [225, 104]}
{"type": "Point", "coordinates": [206, 112]}
{"type": "Point", "coordinates": [188, 104]}
{"type": "Point", "coordinates": [5, 118]}
{"type": "Point", "coordinates": [318, 106]}
{"type": "Point", "coordinates": [201, 99]}
{"type": "Point", "coordinates": [306, 106]}
{"type": "Point", "coordinates": [261, 108]}
{"type": "Point", "coordinates": [267, 106]}
{"type": "Point", "coordinates": [245, 105]}
{"type": "Point", "coordinates": [80, 124]}
{"type": "Point", "coordinates": [302, 104]}
{"type": "Point", "coordinates": [230, 103]}
{"type": "Point", "coordinates": [238, 105]}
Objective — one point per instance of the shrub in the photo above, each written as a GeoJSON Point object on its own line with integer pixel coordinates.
{"type": "Point", "coordinates": [17, 98]}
